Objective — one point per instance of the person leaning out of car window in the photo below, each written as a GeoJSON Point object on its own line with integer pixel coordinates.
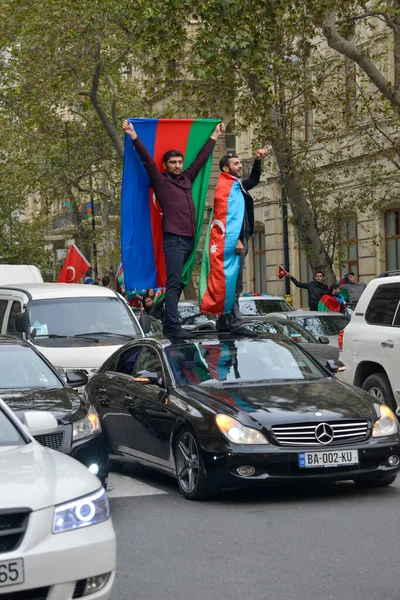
{"type": "Point", "coordinates": [316, 288]}
{"type": "Point", "coordinates": [332, 301]}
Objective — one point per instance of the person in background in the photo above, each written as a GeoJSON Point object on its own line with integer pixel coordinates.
{"type": "Point", "coordinates": [316, 288]}
{"type": "Point", "coordinates": [154, 309]}
{"type": "Point", "coordinates": [354, 288]}
{"type": "Point", "coordinates": [106, 281]}
{"type": "Point", "coordinates": [332, 301]}
{"type": "Point", "coordinates": [88, 280]}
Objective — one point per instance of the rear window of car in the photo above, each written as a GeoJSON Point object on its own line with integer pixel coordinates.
{"type": "Point", "coordinates": [384, 305]}
{"type": "Point", "coordinates": [249, 306]}
{"type": "Point", "coordinates": [324, 324]}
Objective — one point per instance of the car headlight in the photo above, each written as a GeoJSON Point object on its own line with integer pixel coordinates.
{"type": "Point", "coordinates": [238, 433]}
{"type": "Point", "coordinates": [85, 511]}
{"type": "Point", "coordinates": [87, 426]}
{"type": "Point", "coordinates": [386, 424]}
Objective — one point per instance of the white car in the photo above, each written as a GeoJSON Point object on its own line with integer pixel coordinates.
{"type": "Point", "coordinates": [57, 541]}
{"type": "Point", "coordinates": [370, 344]}
{"type": "Point", "coordinates": [258, 306]}
{"type": "Point", "coordinates": [318, 323]}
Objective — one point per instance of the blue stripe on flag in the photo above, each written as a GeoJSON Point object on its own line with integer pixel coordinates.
{"type": "Point", "coordinates": [136, 235]}
{"type": "Point", "coordinates": [234, 222]}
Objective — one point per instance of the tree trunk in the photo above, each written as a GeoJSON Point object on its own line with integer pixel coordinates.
{"type": "Point", "coordinates": [303, 217]}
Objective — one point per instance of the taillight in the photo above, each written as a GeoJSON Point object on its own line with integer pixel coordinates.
{"type": "Point", "coordinates": [340, 340]}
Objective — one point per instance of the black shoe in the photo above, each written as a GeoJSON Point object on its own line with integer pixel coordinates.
{"type": "Point", "coordinates": [245, 332]}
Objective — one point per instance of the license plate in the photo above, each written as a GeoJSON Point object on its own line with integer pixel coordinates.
{"type": "Point", "coordinates": [335, 458]}
{"type": "Point", "coordinates": [11, 571]}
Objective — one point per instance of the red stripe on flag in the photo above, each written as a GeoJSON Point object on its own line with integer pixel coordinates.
{"type": "Point", "coordinates": [214, 297]}
{"type": "Point", "coordinates": [170, 135]}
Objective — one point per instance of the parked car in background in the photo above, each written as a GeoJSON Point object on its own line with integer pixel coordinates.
{"type": "Point", "coordinates": [56, 535]}
{"type": "Point", "coordinates": [224, 412]}
{"type": "Point", "coordinates": [74, 326]}
{"type": "Point", "coordinates": [188, 308]}
{"type": "Point", "coordinates": [327, 324]}
{"type": "Point", "coordinates": [29, 382]}
{"type": "Point", "coordinates": [370, 344]}
{"type": "Point", "coordinates": [16, 273]}
{"type": "Point", "coordinates": [262, 305]}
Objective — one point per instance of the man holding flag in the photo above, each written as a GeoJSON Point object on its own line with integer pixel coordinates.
{"type": "Point", "coordinates": [226, 246]}
{"type": "Point", "coordinates": [173, 191]}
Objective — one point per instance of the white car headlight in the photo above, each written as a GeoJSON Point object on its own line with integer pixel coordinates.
{"type": "Point", "coordinates": [386, 424]}
{"type": "Point", "coordinates": [87, 426]}
{"type": "Point", "coordinates": [238, 433]}
{"type": "Point", "coordinates": [89, 510]}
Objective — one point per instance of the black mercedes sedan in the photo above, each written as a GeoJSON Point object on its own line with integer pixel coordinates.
{"type": "Point", "coordinates": [29, 382]}
{"type": "Point", "coordinates": [222, 412]}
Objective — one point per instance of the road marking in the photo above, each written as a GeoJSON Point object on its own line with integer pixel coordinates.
{"type": "Point", "coordinates": [122, 486]}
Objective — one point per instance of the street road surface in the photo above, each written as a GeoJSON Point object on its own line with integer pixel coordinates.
{"type": "Point", "coordinates": [305, 543]}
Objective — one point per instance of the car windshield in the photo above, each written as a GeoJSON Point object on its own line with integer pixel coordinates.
{"type": "Point", "coordinates": [78, 316]}
{"type": "Point", "coordinates": [9, 434]}
{"type": "Point", "coordinates": [324, 324]}
{"type": "Point", "coordinates": [290, 329]}
{"type": "Point", "coordinates": [240, 361]}
{"type": "Point", "coordinates": [251, 306]}
{"type": "Point", "coordinates": [22, 368]}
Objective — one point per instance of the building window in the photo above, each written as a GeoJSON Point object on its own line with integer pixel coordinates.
{"type": "Point", "coordinates": [392, 239]}
{"type": "Point", "coordinates": [305, 274]}
{"type": "Point", "coordinates": [348, 247]}
{"type": "Point", "coordinates": [259, 262]}
{"type": "Point", "coordinates": [230, 140]}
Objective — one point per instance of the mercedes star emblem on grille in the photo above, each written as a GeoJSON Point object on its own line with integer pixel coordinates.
{"type": "Point", "coordinates": [324, 433]}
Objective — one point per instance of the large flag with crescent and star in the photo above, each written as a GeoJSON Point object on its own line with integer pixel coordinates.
{"type": "Point", "coordinates": [141, 215]}
{"type": "Point", "coordinates": [74, 267]}
{"type": "Point", "coordinates": [220, 264]}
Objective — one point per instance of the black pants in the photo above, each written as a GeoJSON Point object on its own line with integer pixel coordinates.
{"type": "Point", "coordinates": [233, 320]}
{"type": "Point", "coordinates": [177, 249]}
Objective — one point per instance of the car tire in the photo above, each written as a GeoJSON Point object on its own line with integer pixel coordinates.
{"type": "Point", "coordinates": [378, 385]}
{"type": "Point", "coordinates": [376, 482]}
{"type": "Point", "coordinates": [190, 472]}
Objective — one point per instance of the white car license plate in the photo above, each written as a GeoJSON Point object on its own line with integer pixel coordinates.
{"type": "Point", "coordinates": [331, 458]}
{"type": "Point", "coordinates": [11, 571]}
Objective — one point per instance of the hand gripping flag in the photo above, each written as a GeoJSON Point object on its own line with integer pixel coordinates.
{"type": "Point", "coordinates": [220, 263]}
{"type": "Point", "coordinates": [141, 216]}
{"type": "Point", "coordinates": [281, 272]}
{"type": "Point", "coordinates": [74, 267]}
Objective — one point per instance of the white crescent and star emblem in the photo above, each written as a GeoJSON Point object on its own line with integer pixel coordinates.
{"type": "Point", "coordinates": [73, 274]}
{"type": "Point", "coordinates": [213, 248]}
{"type": "Point", "coordinates": [220, 224]}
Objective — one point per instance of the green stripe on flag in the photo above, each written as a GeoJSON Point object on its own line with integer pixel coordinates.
{"type": "Point", "coordinates": [205, 263]}
{"type": "Point", "coordinates": [200, 131]}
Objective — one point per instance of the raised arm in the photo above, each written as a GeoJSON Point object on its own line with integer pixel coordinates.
{"type": "Point", "coordinates": [204, 153]}
{"type": "Point", "coordinates": [146, 158]}
{"type": "Point", "coordinates": [299, 284]}
{"type": "Point", "coordinates": [254, 176]}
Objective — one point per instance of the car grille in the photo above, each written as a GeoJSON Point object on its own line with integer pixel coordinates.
{"type": "Point", "coordinates": [51, 440]}
{"type": "Point", "coordinates": [36, 594]}
{"type": "Point", "coordinates": [13, 524]}
{"type": "Point", "coordinates": [340, 432]}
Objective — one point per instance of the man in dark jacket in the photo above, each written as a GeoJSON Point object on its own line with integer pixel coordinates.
{"type": "Point", "coordinates": [316, 288]}
{"type": "Point", "coordinates": [230, 163]}
{"type": "Point", "coordinates": [173, 190]}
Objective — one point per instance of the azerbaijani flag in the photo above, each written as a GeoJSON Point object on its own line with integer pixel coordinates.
{"type": "Point", "coordinates": [141, 215]}
{"type": "Point", "coordinates": [220, 263]}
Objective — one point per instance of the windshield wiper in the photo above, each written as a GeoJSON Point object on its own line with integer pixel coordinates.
{"type": "Point", "coordinates": [127, 335]}
{"type": "Point", "coordinates": [86, 336]}
{"type": "Point", "coordinates": [51, 336]}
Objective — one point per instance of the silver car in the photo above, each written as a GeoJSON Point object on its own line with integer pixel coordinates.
{"type": "Point", "coordinates": [319, 324]}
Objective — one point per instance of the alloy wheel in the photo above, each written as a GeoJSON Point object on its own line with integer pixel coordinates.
{"type": "Point", "coordinates": [187, 462]}
{"type": "Point", "coordinates": [375, 391]}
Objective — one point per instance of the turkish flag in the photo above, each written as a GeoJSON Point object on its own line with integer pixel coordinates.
{"type": "Point", "coordinates": [281, 272]}
{"type": "Point", "coordinates": [74, 267]}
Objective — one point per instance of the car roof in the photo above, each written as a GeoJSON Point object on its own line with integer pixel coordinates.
{"type": "Point", "coordinates": [308, 313]}
{"type": "Point", "coordinates": [266, 297]}
{"type": "Point", "coordinates": [42, 291]}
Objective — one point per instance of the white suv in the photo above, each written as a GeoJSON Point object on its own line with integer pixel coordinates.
{"type": "Point", "coordinates": [370, 343]}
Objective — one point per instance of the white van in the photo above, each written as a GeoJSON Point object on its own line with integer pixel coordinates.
{"type": "Point", "coordinates": [76, 326]}
{"type": "Point", "coordinates": [17, 273]}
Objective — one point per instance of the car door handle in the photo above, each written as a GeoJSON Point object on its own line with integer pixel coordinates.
{"type": "Point", "coordinates": [128, 397]}
{"type": "Point", "coordinates": [102, 390]}
{"type": "Point", "coordinates": [387, 344]}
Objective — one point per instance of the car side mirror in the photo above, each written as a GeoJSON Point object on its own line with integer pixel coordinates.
{"type": "Point", "coordinates": [145, 323]}
{"type": "Point", "coordinates": [76, 379]}
{"type": "Point", "coordinates": [147, 377]}
{"type": "Point", "coordinates": [335, 365]}
{"type": "Point", "coordinates": [39, 422]}
{"type": "Point", "coordinates": [21, 322]}
{"type": "Point", "coordinates": [323, 339]}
